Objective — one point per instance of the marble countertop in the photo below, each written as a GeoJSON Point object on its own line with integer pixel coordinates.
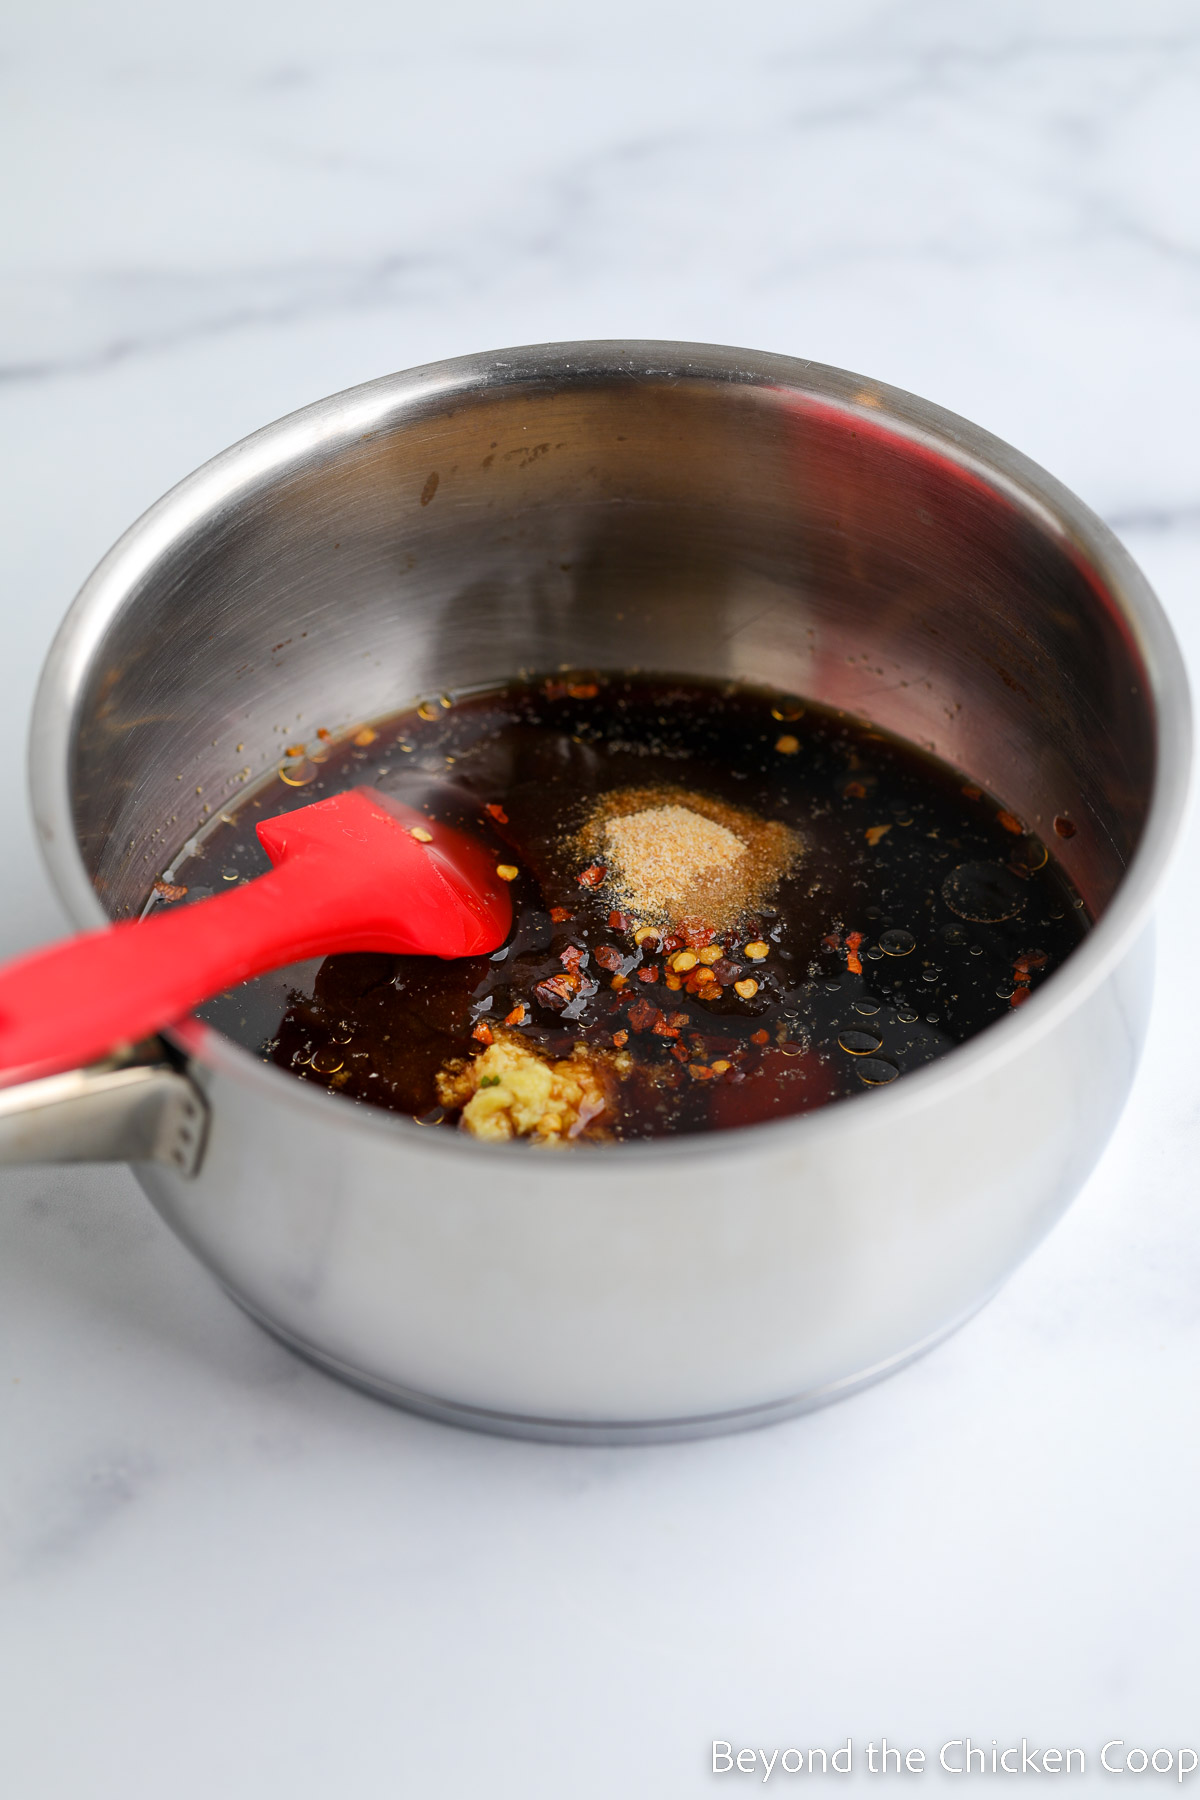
{"type": "Point", "coordinates": [224, 1574]}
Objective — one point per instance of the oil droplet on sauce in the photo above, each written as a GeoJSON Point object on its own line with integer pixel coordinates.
{"type": "Point", "coordinates": [298, 774]}
{"type": "Point", "coordinates": [985, 893]}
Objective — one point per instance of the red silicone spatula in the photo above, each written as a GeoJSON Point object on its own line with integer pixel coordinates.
{"type": "Point", "coordinates": [357, 872]}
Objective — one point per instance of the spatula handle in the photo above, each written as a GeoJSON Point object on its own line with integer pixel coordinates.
{"type": "Point", "coordinates": [72, 1002]}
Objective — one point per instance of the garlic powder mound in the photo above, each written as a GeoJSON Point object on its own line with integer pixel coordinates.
{"type": "Point", "coordinates": [673, 857]}
{"type": "Point", "coordinates": [662, 852]}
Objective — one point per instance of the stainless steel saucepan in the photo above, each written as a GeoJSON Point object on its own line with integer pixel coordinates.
{"type": "Point", "coordinates": [680, 508]}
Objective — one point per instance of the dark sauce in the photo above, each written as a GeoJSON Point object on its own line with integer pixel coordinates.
{"type": "Point", "coordinates": [920, 911]}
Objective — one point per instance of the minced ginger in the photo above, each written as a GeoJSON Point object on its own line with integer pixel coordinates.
{"type": "Point", "coordinates": [513, 1091]}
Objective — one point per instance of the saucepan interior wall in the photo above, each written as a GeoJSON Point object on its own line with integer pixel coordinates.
{"type": "Point", "coordinates": [724, 529]}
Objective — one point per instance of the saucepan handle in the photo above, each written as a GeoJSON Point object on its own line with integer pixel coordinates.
{"type": "Point", "coordinates": [134, 1107]}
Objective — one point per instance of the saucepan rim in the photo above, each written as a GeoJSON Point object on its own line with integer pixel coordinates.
{"type": "Point", "coordinates": [217, 485]}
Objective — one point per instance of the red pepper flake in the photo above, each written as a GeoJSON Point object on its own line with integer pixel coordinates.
{"type": "Point", "coordinates": [700, 1072]}
{"type": "Point", "coordinates": [583, 690]}
{"type": "Point", "coordinates": [679, 1018]}
{"type": "Point", "coordinates": [619, 921]}
{"type": "Point", "coordinates": [680, 1052]}
{"type": "Point", "coordinates": [832, 940]}
{"type": "Point", "coordinates": [168, 890]}
{"type": "Point", "coordinates": [759, 1037]}
{"type": "Point", "coordinates": [1011, 823]}
{"type": "Point", "coordinates": [518, 1015]}
{"type": "Point", "coordinates": [593, 876]}
{"type": "Point", "coordinates": [649, 973]}
{"type": "Point", "coordinates": [619, 981]}
{"type": "Point", "coordinates": [642, 1014]}
{"type": "Point", "coordinates": [324, 735]}
{"type": "Point", "coordinates": [972, 792]}
{"type": "Point", "coordinates": [697, 936]}
{"type": "Point", "coordinates": [558, 991]}
{"type": "Point", "coordinates": [498, 813]}
{"type": "Point", "coordinates": [608, 956]}
{"type": "Point", "coordinates": [483, 1032]}
{"type": "Point", "coordinates": [561, 914]}
{"type": "Point", "coordinates": [662, 1029]}
{"type": "Point", "coordinates": [672, 943]}
{"type": "Point", "coordinates": [1065, 827]}
{"type": "Point", "coordinates": [854, 790]}
{"type": "Point", "coordinates": [620, 1039]}
{"type": "Point", "coordinates": [853, 959]}
{"type": "Point", "coordinates": [1022, 974]}
{"type": "Point", "coordinates": [571, 958]}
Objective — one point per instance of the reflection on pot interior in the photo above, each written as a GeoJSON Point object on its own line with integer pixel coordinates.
{"type": "Point", "coordinates": [730, 905]}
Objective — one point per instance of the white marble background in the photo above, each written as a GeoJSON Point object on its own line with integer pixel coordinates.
{"type": "Point", "coordinates": [220, 1573]}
